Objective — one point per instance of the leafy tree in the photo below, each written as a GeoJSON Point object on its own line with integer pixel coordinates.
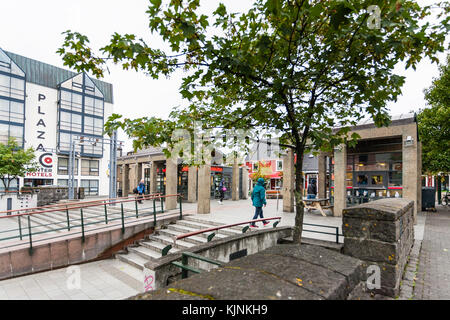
{"type": "Point", "coordinates": [15, 162]}
{"type": "Point", "coordinates": [434, 125]}
{"type": "Point", "coordinates": [299, 67]}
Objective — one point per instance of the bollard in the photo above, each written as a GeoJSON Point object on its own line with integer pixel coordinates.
{"type": "Point", "coordinates": [20, 228]}
{"type": "Point", "coordinates": [82, 225]}
{"type": "Point", "coordinates": [68, 219]}
{"type": "Point", "coordinates": [123, 223]}
{"type": "Point", "coordinates": [135, 202]}
{"type": "Point", "coordinates": [29, 235]}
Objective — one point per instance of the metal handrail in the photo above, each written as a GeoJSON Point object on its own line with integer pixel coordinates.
{"type": "Point", "coordinates": [84, 223]}
{"type": "Point", "coordinates": [324, 226]}
{"type": "Point", "coordinates": [193, 233]}
{"type": "Point", "coordinates": [64, 207]}
{"type": "Point", "coordinates": [74, 203]}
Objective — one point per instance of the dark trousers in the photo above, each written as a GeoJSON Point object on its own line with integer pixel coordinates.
{"type": "Point", "coordinates": [222, 194]}
{"type": "Point", "coordinates": [140, 197]}
{"type": "Point", "coordinates": [258, 213]}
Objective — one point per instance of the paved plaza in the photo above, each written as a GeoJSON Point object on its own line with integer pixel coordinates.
{"type": "Point", "coordinates": [433, 274]}
{"type": "Point", "coordinates": [108, 280]}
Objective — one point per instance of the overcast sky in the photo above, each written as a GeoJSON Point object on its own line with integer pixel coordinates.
{"type": "Point", "coordinates": [33, 29]}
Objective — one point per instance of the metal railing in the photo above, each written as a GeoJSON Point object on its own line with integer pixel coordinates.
{"type": "Point", "coordinates": [193, 233]}
{"type": "Point", "coordinates": [185, 268]}
{"type": "Point", "coordinates": [337, 234]}
{"type": "Point", "coordinates": [88, 216]}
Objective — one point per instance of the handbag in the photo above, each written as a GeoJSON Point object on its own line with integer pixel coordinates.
{"type": "Point", "coordinates": [224, 189]}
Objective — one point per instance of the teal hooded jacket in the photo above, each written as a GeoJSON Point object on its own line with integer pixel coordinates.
{"type": "Point", "coordinates": [259, 194]}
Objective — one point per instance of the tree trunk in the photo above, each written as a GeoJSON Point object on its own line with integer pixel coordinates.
{"type": "Point", "coordinates": [299, 207]}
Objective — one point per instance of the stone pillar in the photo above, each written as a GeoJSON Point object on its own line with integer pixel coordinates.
{"type": "Point", "coordinates": [171, 183]}
{"type": "Point", "coordinates": [410, 180]}
{"type": "Point", "coordinates": [235, 181]}
{"type": "Point", "coordinates": [245, 182]}
{"type": "Point", "coordinates": [381, 233]}
{"type": "Point", "coordinates": [153, 176]}
{"type": "Point", "coordinates": [288, 181]}
{"type": "Point", "coordinates": [322, 176]}
{"type": "Point", "coordinates": [125, 180]}
{"type": "Point", "coordinates": [204, 189]}
{"type": "Point", "coordinates": [138, 172]}
{"type": "Point", "coordinates": [340, 188]}
{"type": "Point", "coordinates": [192, 184]}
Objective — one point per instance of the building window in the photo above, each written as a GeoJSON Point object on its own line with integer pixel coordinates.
{"type": "Point", "coordinates": [63, 166]}
{"type": "Point", "coordinates": [13, 185]}
{"type": "Point", "coordinates": [81, 113]}
{"type": "Point", "coordinates": [89, 167]}
{"type": "Point", "coordinates": [12, 100]}
{"type": "Point", "coordinates": [279, 165]}
{"type": "Point", "coordinates": [65, 183]}
{"type": "Point", "coordinates": [90, 187]}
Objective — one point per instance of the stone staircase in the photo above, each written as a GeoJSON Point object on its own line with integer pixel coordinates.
{"type": "Point", "coordinates": [132, 261]}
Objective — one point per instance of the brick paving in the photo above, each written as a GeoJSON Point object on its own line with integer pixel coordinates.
{"type": "Point", "coordinates": [433, 274]}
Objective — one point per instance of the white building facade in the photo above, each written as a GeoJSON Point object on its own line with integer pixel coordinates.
{"type": "Point", "coordinates": [42, 106]}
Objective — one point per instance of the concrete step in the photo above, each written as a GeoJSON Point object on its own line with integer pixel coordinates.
{"type": "Point", "coordinates": [145, 253]}
{"type": "Point", "coordinates": [156, 246]}
{"type": "Point", "coordinates": [213, 223]}
{"type": "Point", "coordinates": [200, 226]}
{"type": "Point", "coordinates": [184, 229]}
{"type": "Point", "coordinates": [166, 240]}
{"type": "Point", "coordinates": [194, 239]}
{"type": "Point", "coordinates": [133, 259]}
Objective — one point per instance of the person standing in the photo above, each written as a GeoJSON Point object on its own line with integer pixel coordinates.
{"type": "Point", "coordinates": [311, 191]}
{"type": "Point", "coordinates": [222, 190]}
{"type": "Point", "coordinates": [259, 199]}
{"type": "Point", "coordinates": [141, 190]}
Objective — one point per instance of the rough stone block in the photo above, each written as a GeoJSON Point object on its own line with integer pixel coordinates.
{"type": "Point", "coordinates": [385, 209]}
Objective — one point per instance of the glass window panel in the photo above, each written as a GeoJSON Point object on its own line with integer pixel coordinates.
{"type": "Point", "coordinates": [362, 179]}
{"type": "Point", "coordinates": [66, 96]}
{"type": "Point", "coordinates": [4, 110]}
{"type": "Point", "coordinates": [16, 70]}
{"type": "Point", "coordinates": [377, 180]}
{"type": "Point", "coordinates": [4, 133]}
{"type": "Point", "coordinates": [17, 133]}
{"type": "Point", "coordinates": [4, 105]}
{"type": "Point", "coordinates": [17, 84]}
{"type": "Point", "coordinates": [16, 107]}
{"type": "Point", "coordinates": [98, 107]}
{"type": "Point", "coordinates": [77, 98]}
{"type": "Point", "coordinates": [395, 179]}
{"type": "Point", "coordinates": [4, 85]}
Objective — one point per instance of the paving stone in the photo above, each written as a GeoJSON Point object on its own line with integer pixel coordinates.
{"type": "Point", "coordinates": [434, 262]}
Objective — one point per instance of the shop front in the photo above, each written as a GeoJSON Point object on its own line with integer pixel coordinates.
{"type": "Point", "coordinates": [374, 171]}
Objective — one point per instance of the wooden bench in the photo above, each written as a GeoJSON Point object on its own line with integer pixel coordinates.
{"type": "Point", "coordinates": [311, 204]}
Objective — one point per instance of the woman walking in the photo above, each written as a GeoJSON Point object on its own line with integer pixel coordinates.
{"type": "Point", "coordinates": [259, 199]}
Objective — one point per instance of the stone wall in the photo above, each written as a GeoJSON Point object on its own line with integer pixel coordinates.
{"type": "Point", "coordinates": [381, 233]}
{"type": "Point", "coordinates": [51, 194]}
